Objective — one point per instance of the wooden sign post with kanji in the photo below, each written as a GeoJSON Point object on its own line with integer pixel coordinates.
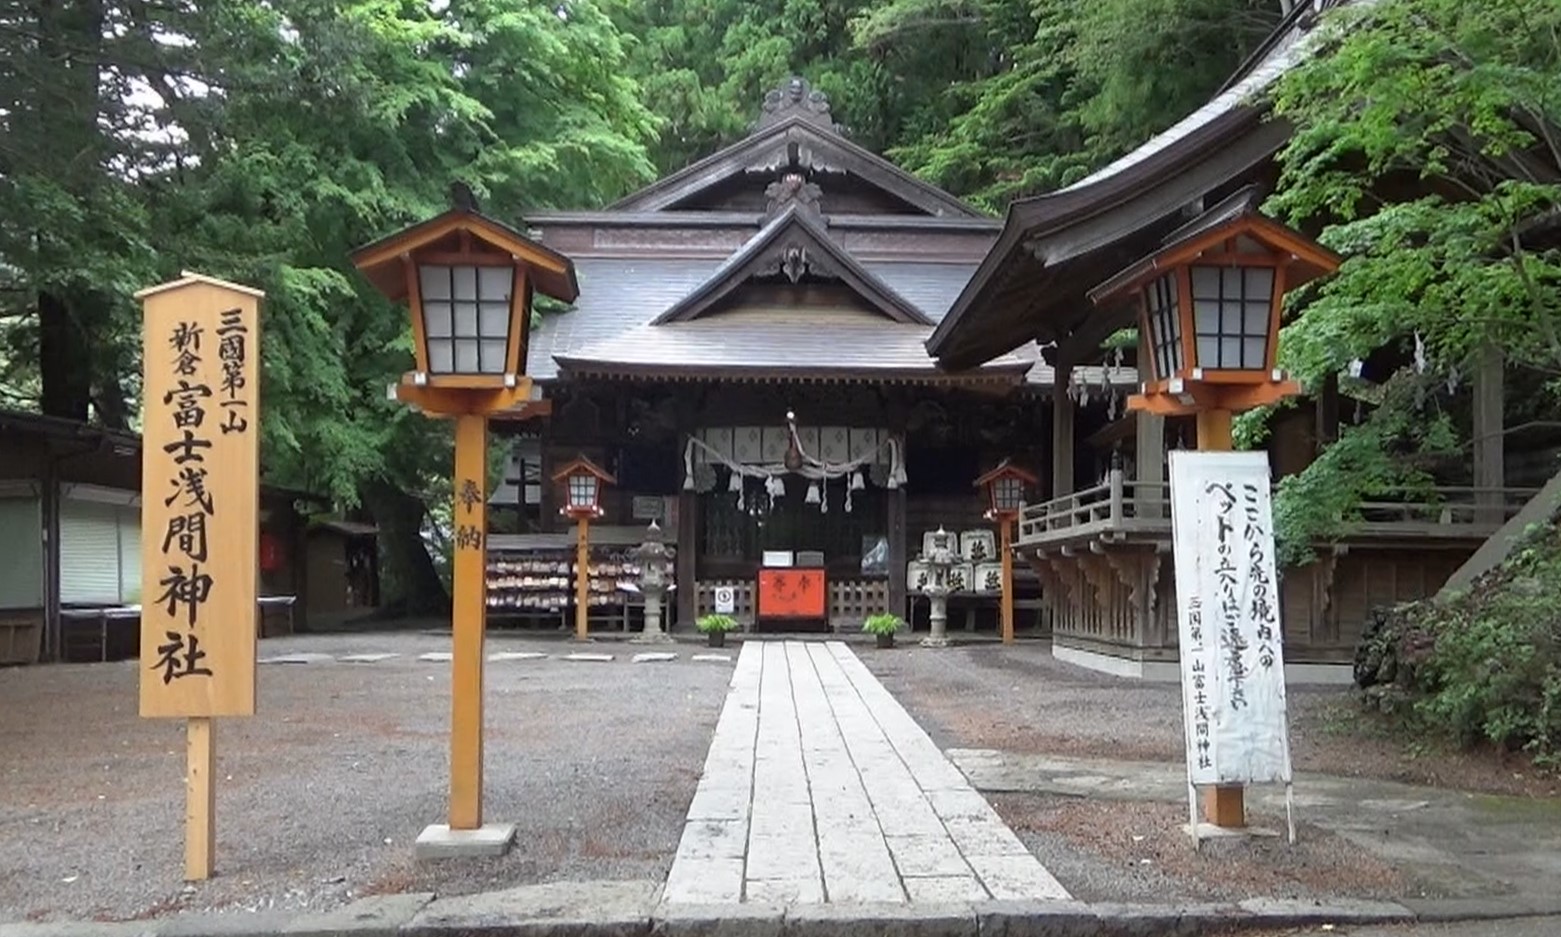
{"type": "Point", "coordinates": [200, 463]}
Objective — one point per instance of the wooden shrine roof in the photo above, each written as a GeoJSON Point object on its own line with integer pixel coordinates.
{"type": "Point", "coordinates": [793, 254]}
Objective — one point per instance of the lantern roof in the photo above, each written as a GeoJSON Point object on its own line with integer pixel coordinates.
{"type": "Point", "coordinates": [463, 228]}
{"type": "Point", "coordinates": [582, 464]}
{"type": "Point", "coordinates": [1006, 469]}
{"type": "Point", "coordinates": [1233, 228]}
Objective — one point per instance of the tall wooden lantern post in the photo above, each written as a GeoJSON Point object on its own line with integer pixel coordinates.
{"type": "Point", "coordinates": [1005, 488]}
{"type": "Point", "coordinates": [468, 282]}
{"type": "Point", "coordinates": [1209, 303]}
{"type": "Point", "coordinates": [582, 480]}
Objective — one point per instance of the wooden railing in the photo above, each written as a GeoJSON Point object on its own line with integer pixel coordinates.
{"type": "Point", "coordinates": [1120, 508]}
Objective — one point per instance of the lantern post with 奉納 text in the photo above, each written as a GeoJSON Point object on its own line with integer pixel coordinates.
{"type": "Point", "coordinates": [583, 481]}
{"type": "Point", "coordinates": [1209, 309]}
{"type": "Point", "coordinates": [1005, 488]}
{"type": "Point", "coordinates": [468, 282]}
{"type": "Point", "coordinates": [200, 475]}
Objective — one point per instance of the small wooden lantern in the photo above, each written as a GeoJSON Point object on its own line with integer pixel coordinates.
{"type": "Point", "coordinates": [1006, 487]}
{"type": "Point", "coordinates": [583, 480]}
{"type": "Point", "coordinates": [468, 281]}
{"type": "Point", "coordinates": [1209, 308]}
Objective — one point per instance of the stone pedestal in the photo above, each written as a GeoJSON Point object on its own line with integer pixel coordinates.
{"type": "Point", "coordinates": [438, 841]}
{"type": "Point", "coordinates": [938, 617]}
{"type": "Point", "coordinates": [653, 633]}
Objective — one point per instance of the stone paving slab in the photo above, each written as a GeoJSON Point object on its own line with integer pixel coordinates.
{"type": "Point", "coordinates": [820, 788]}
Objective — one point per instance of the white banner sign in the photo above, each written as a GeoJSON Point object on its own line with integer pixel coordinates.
{"type": "Point", "coordinates": [1227, 596]}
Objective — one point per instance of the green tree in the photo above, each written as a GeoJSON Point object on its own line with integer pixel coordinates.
{"type": "Point", "coordinates": [1425, 151]}
{"type": "Point", "coordinates": [266, 142]}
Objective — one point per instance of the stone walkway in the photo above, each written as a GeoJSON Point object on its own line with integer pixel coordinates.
{"type": "Point", "coordinates": [820, 787]}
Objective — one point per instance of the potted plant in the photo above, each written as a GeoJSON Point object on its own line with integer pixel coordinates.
{"type": "Point", "coordinates": [883, 625]}
{"type": "Point", "coordinates": [715, 628]}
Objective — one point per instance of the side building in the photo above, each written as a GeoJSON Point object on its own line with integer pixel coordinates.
{"type": "Point", "coordinates": [1101, 542]}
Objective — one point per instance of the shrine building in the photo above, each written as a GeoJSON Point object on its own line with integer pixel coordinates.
{"type": "Point", "coordinates": [747, 360]}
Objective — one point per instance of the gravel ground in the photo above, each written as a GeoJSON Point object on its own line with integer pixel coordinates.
{"type": "Point", "coordinates": [1131, 851]}
{"type": "Point", "coordinates": [1021, 699]}
{"type": "Point", "coordinates": [321, 794]}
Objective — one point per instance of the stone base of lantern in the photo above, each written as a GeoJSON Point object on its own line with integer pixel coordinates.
{"type": "Point", "coordinates": [1210, 831]}
{"type": "Point", "coordinates": [438, 841]}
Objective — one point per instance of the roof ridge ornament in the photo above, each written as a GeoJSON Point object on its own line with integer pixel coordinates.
{"type": "Point", "coordinates": [796, 98]}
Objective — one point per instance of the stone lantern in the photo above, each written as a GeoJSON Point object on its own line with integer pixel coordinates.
{"type": "Point", "coordinates": [940, 559]}
{"type": "Point", "coordinates": [655, 560]}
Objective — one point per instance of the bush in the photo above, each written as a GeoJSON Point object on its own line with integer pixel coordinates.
{"type": "Point", "coordinates": [882, 623]}
{"type": "Point", "coordinates": [709, 623]}
{"type": "Point", "coordinates": [1481, 666]}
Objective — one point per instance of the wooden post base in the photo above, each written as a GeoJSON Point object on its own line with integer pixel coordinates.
{"type": "Point", "coordinates": [1225, 806]}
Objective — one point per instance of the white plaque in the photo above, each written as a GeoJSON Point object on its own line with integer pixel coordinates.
{"type": "Point", "coordinates": [1228, 616]}
{"type": "Point", "coordinates": [725, 600]}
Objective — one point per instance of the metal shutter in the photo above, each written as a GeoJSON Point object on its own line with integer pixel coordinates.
{"type": "Point", "coordinates": [21, 560]}
{"type": "Point", "coordinates": [89, 552]}
{"type": "Point", "coordinates": [130, 555]}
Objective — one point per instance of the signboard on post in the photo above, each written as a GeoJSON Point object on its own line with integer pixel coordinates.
{"type": "Point", "coordinates": [200, 492]}
{"type": "Point", "coordinates": [200, 497]}
{"type": "Point", "coordinates": [1231, 648]}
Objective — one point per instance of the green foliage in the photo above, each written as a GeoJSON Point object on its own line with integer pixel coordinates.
{"type": "Point", "coordinates": [715, 623]}
{"type": "Point", "coordinates": [883, 623]}
{"type": "Point", "coordinates": [1483, 666]}
{"type": "Point", "coordinates": [1424, 152]}
{"type": "Point", "coordinates": [1385, 458]}
{"type": "Point", "coordinates": [265, 141]}
{"type": "Point", "coordinates": [990, 99]}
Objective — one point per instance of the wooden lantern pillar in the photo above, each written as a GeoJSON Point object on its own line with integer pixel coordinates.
{"type": "Point", "coordinates": [1209, 305]}
{"type": "Point", "coordinates": [583, 481]}
{"type": "Point", "coordinates": [468, 281]}
{"type": "Point", "coordinates": [1005, 487]}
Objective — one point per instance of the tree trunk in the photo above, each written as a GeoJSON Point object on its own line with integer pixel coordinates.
{"type": "Point", "coordinates": [417, 588]}
{"type": "Point", "coordinates": [67, 381]}
{"type": "Point", "coordinates": [69, 149]}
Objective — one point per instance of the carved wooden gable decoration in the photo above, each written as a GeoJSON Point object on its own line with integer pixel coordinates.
{"type": "Point", "coordinates": [796, 152]}
{"type": "Point", "coordinates": [793, 245]}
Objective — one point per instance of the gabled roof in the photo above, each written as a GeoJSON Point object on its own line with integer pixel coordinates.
{"type": "Point", "coordinates": [552, 273]}
{"type": "Point", "coordinates": [1237, 215]}
{"type": "Point", "coordinates": [791, 242]}
{"type": "Point", "coordinates": [789, 141]}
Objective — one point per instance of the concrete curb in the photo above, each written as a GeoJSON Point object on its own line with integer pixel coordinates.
{"type": "Point", "coordinates": [634, 909]}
